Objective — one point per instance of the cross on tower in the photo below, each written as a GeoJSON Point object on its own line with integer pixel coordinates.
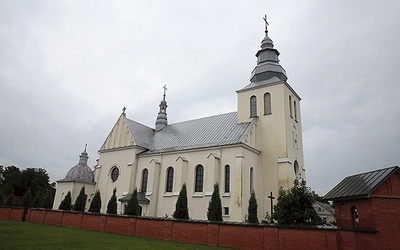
{"type": "Point", "coordinates": [266, 23]}
{"type": "Point", "coordinates": [272, 203]}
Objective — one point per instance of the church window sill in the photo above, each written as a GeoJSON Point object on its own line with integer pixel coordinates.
{"type": "Point", "coordinates": [197, 195]}
{"type": "Point", "coordinates": [168, 194]}
{"type": "Point", "coordinates": [226, 195]}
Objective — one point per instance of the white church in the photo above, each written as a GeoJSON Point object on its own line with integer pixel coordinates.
{"type": "Point", "coordinates": [259, 147]}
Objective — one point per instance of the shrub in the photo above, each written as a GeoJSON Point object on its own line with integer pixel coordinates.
{"type": "Point", "coordinates": [112, 204]}
{"type": "Point", "coordinates": [95, 206]}
{"type": "Point", "coordinates": [181, 206]}
{"type": "Point", "coordinates": [214, 212]}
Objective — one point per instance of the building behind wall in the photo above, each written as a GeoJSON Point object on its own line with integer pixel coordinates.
{"type": "Point", "coordinates": [257, 147]}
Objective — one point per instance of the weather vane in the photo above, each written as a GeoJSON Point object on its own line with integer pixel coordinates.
{"type": "Point", "coordinates": [266, 23]}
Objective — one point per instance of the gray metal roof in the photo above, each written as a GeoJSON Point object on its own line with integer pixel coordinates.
{"type": "Point", "coordinates": [141, 133]}
{"type": "Point", "coordinates": [253, 85]}
{"type": "Point", "coordinates": [360, 185]}
{"type": "Point", "coordinates": [210, 131]}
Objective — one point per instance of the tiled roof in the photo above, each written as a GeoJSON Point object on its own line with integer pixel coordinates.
{"type": "Point", "coordinates": [360, 185]}
{"type": "Point", "coordinates": [210, 131]}
{"type": "Point", "coordinates": [81, 173]}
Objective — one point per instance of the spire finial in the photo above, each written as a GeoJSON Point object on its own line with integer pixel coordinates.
{"type": "Point", "coordinates": [85, 147]}
{"type": "Point", "coordinates": [165, 90]}
{"type": "Point", "coordinates": [123, 111]}
{"type": "Point", "coordinates": [266, 23]}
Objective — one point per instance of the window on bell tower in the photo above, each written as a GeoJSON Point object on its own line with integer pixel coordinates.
{"type": "Point", "coordinates": [267, 103]}
{"type": "Point", "coordinates": [253, 106]}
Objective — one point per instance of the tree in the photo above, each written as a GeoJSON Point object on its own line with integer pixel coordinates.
{"type": "Point", "coordinates": [80, 201]}
{"type": "Point", "coordinates": [48, 200]}
{"type": "Point", "coordinates": [10, 180]}
{"type": "Point", "coordinates": [252, 208]}
{"type": "Point", "coordinates": [27, 199]}
{"type": "Point", "coordinates": [181, 206]}
{"type": "Point", "coordinates": [214, 212]}
{"type": "Point", "coordinates": [95, 205]}
{"type": "Point", "coordinates": [133, 205]}
{"type": "Point", "coordinates": [112, 204]}
{"type": "Point", "coordinates": [66, 203]}
{"type": "Point", "coordinates": [295, 205]}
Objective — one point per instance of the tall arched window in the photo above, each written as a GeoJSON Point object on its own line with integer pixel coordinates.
{"type": "Point", "coordinates": [295, 110]}
{"type": "Point", "coordinates": [267, 103]}
{"type": "Point", "coordinates": [253, 106]}
{"type": "Point", "coordinates": [170, 179]}
{"type": "Point", "coordinates": [145, 176]}
{"type": "Point", "coordinates": [251, 179]}
{"type": "Point", "coordinates": [290, 106]}
{"type": "Point", "coordinates": [199, 179]}
{"type": "Point", "coordinates": [227, 178]}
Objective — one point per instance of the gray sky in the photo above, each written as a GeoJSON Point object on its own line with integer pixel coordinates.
{"type": "Point", "coordinates": [68, 67]}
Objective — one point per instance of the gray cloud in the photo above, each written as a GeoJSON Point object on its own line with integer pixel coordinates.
{"type": "Point", "coordinates": [67, 69]}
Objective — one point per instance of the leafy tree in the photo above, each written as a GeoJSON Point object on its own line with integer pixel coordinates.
{"type": "Point", "coordinates": [181, 206]}
{"type": "Point", "coordinates": [10, 180]}
{"type": "Point", "coordinates": [66, 203]}
{"type": "Point", "coordinates": [80, 201]}
{"type": "Point", "coordinates": [295, 205]}
{"type": "Point", "coordinates": [214, 212]}
{"type": "Point", "coordinates": [27, 199]}
{"type": "Point", "coordinates": [95, 205]}
{"type": "Point", "coordinates": [112, 204]}
{"type": "Point", "coordinates": [252, 209]}
{"type": "Point", "coordinates": [133, 205]}
{"type": "Point", "coordinates": [10, 199]}
{"type": "Point", "coordinates": [48, 200]}
{"type": "Point", "coordinates": [34, 179]}
{"type": "Point", "coordinates": [38, 199]}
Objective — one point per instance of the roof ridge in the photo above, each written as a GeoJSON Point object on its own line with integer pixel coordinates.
{"type": "Point", "coordinates": [202, 118]}
{"type": "Point", "coordinates": [377, 170]}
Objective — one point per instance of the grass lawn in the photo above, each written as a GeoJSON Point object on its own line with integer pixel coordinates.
{"type": "Point", "coordinates": [26, 235]}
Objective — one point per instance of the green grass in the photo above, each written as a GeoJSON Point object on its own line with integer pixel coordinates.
{"type": "Point", "coordinates": [26, 235]}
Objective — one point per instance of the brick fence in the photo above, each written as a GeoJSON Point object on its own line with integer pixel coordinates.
{"type": "Point", "coordinates": [225, 234]}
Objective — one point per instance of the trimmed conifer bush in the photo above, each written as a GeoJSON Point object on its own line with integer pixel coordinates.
{"type": "Point", "coordinates": [48, 200]}
{"type": "Point", "coordinates": [95, 205]}
{"type": "Point", "coordinates": [38, 199]}
{"type": "Point", "coordinates": [66, 203]}
{"type": "Point", "coordinates": [27, 199]}
{"type": "Point", "coordinates": [112, 204]}
{"type": "Point", "coordinates": [214, 212]}
{"type": "Point", "coordinates": [181, 206]}
{"type": "Point", "coordinates": [252, 209]}
{"type": "Point", "coordinates": [80, 201]}
{"type": "Point", "coordinates": [10, 199]}
{"type": "Point", "coordinates": [133, 205]}
{"type": "Point", "coordinates": [1, 198]}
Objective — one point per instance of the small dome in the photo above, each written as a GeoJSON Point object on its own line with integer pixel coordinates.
{"type": "Point", "coordinates": [80, 172]}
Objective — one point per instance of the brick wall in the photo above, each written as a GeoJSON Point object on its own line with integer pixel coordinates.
{"type": "Point", "coordinates": [234, 235]}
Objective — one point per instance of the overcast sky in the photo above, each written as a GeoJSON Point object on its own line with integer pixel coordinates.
{"type": "Point", "coordinates": [67, 68]}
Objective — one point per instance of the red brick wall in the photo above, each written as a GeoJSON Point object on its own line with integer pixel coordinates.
{"type": "Point", "coordinates": [225, 234]}
{"type": "Point", "coordinates": [96, 222]}
{"type": "Point", "coordinates": [5, 212]}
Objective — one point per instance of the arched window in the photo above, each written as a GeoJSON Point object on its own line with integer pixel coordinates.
{"type": "Point", "coordinates": [199, 179]}
{"type": "Point", "coordinates": [267, 103]}
{"type": "Point", "coordinates": [114, 174]}
{"type": "Point", "coordinates": [290, 106]}
{"type": "Point", "coordinates": [227, 178]}
{"type": "Point", "coordinates": [145, 176]}
{"type": "Point", "coordinates": [295, 110]}
{"type": "Point", "coordinates": [253, 106]}
{"type": "Point", "coordinates": [170, 179]}
{"type": "Point", "coordinates": [251, 179]}
{"type": "Point", "coordinates": [354, 213]}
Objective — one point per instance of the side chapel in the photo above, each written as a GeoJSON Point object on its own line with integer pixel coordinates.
{"type": "Point", "coordinates": [259, 147]}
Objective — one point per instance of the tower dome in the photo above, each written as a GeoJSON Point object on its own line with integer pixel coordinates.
{"type": "Point", "coordinates": [80, 172]}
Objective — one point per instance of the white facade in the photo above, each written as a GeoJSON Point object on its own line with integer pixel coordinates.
{"type": "Point", "coordinates": [266, 154]}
